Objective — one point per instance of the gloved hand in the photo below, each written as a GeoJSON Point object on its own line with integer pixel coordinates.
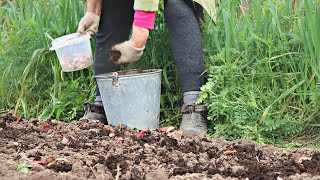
{"type": "Point", "coordinates": [127, 53]}
{"type": "Point", "coordinates": [132, 50]}
{"type": "Point", "coordinates": [89, 23]}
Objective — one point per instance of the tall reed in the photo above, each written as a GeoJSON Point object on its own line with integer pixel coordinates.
{"type": "Point", "coordinates": [262, 81]}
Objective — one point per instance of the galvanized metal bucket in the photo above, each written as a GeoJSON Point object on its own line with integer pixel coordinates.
{"type": "Point", "coordinates": [131, 97]}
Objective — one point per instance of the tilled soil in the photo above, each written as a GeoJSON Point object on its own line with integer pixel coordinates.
{"type": "Point", "coordinates": [91, 150]}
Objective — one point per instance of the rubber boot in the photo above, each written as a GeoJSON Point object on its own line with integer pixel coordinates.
{"type": "Point", "coordinates": [94, 111]}
{"type": "Point", "coordinates": [194, 119]}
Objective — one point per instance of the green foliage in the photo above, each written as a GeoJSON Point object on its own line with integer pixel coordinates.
{"type": "Point", "coordinates": [309, 32]}
{"type": "Point", "coordinates": [261, 71]}
{"type": "Point", "coordinates": [23, 167]}
{"type": "Point", "coordinates": [70, 96]}
{"type": "Point", "coordinates": [32, 81]}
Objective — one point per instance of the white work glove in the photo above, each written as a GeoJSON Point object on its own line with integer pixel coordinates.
{"type": "Point", "coordinates": [89, 23]}
{"type": "Point", "coordinates": [125, 53]}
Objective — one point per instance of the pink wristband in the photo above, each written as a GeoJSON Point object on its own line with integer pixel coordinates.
{"type": "Point", "coordinates": [144, 19]}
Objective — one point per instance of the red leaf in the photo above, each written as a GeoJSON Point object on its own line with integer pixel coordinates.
{"type": "Point", "coordinates": [100, 124]}
{"type": "Point", "coordinates": [42, 162]}
{"type": "Point", "coordinates": [142, 133]}
{"type": "Point", "coordinates": [230, 153]}
{"type": "Point", "coordinates": [109, 129]}
{"type": "Point", "coordinates": [46, 128]}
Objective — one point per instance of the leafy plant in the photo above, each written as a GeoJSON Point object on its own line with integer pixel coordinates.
{"type": "Point", "coordinates": [23, 167]}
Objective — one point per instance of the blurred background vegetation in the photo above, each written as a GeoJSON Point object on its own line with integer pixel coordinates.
{"type": "Point", "coordinates": [262, 67]}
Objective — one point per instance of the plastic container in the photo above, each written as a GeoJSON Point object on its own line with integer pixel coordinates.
{"type": "Point", "coordinates": [131, 98]}
{"type": "Point", "coordinates": [73, 51]}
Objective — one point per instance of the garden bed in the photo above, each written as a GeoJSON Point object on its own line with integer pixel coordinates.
{"type": "Point", "coordinates": [90, 150]}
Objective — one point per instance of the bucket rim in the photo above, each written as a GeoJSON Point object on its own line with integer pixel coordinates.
{"type": "Point", "coordinates": [66, 37]}
{"type": "Point", "coordinates": [111, 74]}
{"type": "Point", "coordinates": [71, 41]}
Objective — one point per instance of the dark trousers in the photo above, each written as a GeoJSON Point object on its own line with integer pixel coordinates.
{"type": "Point", "coordinates": [184, 32]}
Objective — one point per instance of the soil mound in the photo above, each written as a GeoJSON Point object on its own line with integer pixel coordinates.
{"type": "Point", "coordinates": [91, 150]}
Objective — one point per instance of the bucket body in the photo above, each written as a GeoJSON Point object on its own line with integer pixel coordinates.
{"type": "Point", "coordinates": [74, 51]}
{"type": "Point", "coordinates": [131, 98]}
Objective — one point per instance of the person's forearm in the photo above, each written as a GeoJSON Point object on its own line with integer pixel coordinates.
{"type": "Point", "coordinates": [94, 6]}
{"type": "Point", "coordinates": [139, 36]}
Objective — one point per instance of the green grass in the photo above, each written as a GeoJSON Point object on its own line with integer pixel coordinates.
{"type": "Point", "coordinates": [32, 82]}
{"type": "Point", "coordinates": [314, 146]}
{"type": "Point", "coordinates": [263, 80]}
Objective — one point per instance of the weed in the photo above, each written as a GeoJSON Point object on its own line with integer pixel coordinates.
{"type": "Point", "coordinates": [23, 167]}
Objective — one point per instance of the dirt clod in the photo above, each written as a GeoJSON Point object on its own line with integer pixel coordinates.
{"type": "Point", "coordinates": [114, 56]}
{"type": "Point", "coordinates": [2, 124]}
{"type": "Point", "coordinates": [61, 167]}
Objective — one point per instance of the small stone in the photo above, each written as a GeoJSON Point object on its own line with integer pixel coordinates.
{"type": "Point", "coordinates": [65, 140]}
{"type": "Point", "coordinates": [177, 135]}
{"type": "Point", "coordinates": [202, 160]}
{"type": "Point", "coordinates": [94, 130]}
{"type": "Point", "coordinates": [53, 121]}
{"type": "Point", "coordinates": [190, 164]}
{"type": "Point", "coordinates": [89, 144]}
{"type": "Point", "coordinates": [104, 143]}
{"type": "Point", "coordinates": [119, 138]}
{"type": "Point", "coordinates": [100, 169]}
{"type": "Point", "coordinates": [236, 169]}
{"type": "Point", "coordinates": [301, 159]}
{"type": "Point", "coordinates": [146, 145]}
{"type": "Point", "coordinates": [112, 135]}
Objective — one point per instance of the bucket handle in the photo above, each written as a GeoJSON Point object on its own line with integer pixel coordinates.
{"type": "Point", "coordinates": [115, 79]}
